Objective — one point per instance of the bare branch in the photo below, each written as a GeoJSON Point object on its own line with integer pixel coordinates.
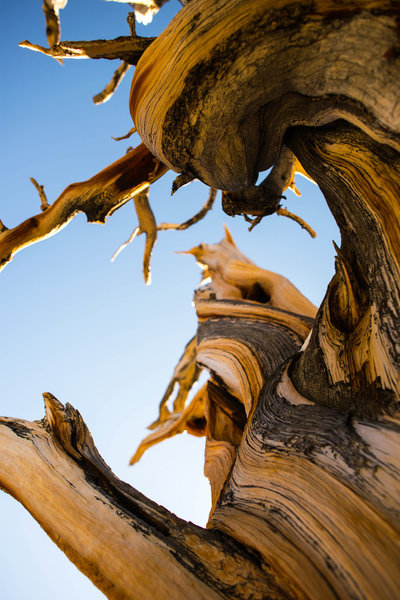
{"type": "Point", "coordinates": [191, 419]}
{"type": "Point", "coordinates": [148, 225]}
{"type": "Point", "coordinates": [85, 508]}
{"type": "Point", "coordinates": [2, 227]}
{"type": "Point", "coordinates": [97, 197]}
{"type": "Point", "coordinates": [285, 213]}
{"type": "Point", "coordinates": [43, 198]}
{"type": "Point", "coordinates": [112, 85]}
{"type": "Point", "coordinates": [125, 48]}
{"type": "Point", "coordinates": [170, 226]}
{"type": "Point", "coordinates": [193, 220]}
{"type": "Point", "coordinates": [186, 373]}
{"type": "Point", "coordinates": [137, 231]}
{"type": "Point", "coordinates": [132, 23]}
{"type": "Point", "coordinates": [51, 10]}
{"type": "Point", "coordinates": [126, 136]}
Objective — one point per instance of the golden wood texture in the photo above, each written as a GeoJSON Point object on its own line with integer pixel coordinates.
{"type": "Point", "coordinates": [242, 304]}
{"type": "Point", "coordinates": [225, 80]}
{"type": "Point", "coordinates": [130, 547]}
{"type": "Point", "coordinates": [97, 197]}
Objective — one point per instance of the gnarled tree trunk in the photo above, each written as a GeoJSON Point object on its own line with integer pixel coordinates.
{"type": "Point", "coordinates": [301, 411]}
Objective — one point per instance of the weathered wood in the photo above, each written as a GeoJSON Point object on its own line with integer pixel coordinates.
{"type": "Point", "coordinates": [97, 197]}
{"type": "Point", "coordinates": [302, 427]}
{"type": "Point", "coordinates": [353, 360]}
{"type": "Point", "coordinates": [245, 332]}
{"type": "Point", "coordinates": [126, 48]}
{"type": "Point", "coordinates": [130, 547]}
{"type": "Point", "coordinates": [225, 80]}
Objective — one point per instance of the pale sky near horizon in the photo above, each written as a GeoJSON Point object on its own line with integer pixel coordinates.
{"type": "Point", "coordinates": [88, 330]}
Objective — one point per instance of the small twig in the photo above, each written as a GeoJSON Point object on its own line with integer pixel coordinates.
{"type": "Point", "coordinates": [254, 221]}
{"type": "Point", "coordinates": [193, 220]}
{"type": "Point", "coordinates": [2, 227]}
{"type": "Point", "coordinates": [285, 213]}
{"type": "Point", "coordinates": [112, 85]}
{"type": "Point", "coordinates": [137, 231]}
{"type": "Point", "coordinates": [180, 181]}
{"type": "Point", "coordinates": [51, 10]}
{"type": "Point", "coordinates": [43, 199]}
{"type": "Point", "coordinates": [132, 23]}
{"type": "Point", "coordinates": [172, 226]}
{"type": "Point", "coordinates": [126, 136]}
{"type": "Point", "coordinates": [154, 174]}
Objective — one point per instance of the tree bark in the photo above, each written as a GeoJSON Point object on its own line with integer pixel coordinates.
{"type": "Point", "coordinates": [301, 416]}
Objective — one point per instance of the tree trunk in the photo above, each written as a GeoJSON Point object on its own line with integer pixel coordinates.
{"type": "Point", "coordinates": [301, 416]}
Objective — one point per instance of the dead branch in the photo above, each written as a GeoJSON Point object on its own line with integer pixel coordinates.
{"type": "Point", "coordinates": [193, 220]}
{"type": "Point", "coordinates": [54, 469]}
{"type": "Point", "coordinates": [43, 198]}
{"type": "Point", "coordinates": [132, 23]}
{"type": "Point", "coordinates": [186, 373]}
{"type": "Point", "coordinates": [112, 85]}
{"type": "Point", "coordinates": [97, 197]}
{"type": "Point", "coordinates": [51, 10]}
{"type": "Point", "coordinates": [147, 225]}
{"type": "Point", "coordinates": [190, 419]}
{"type": "Point", "coordinates": [284, 212]}
{"type": "Point", "coordinates": [169, 226]}
{"type": "Point", "coordinates": [125, 48]}
{"type": "Point", "coordinates": [126, 136]}
{"type": "Point", "coordinates": [134, 234]}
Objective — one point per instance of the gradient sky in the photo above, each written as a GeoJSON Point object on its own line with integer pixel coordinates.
{"type": "Point", "coordinates": [89, 330]}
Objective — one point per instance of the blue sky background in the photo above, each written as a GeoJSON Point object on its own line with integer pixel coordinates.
{"type": "Point", "coordinates": [89, 330]}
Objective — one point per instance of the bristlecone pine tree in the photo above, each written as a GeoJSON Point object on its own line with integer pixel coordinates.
{"type": "Point", "coordinates": [301, 409]}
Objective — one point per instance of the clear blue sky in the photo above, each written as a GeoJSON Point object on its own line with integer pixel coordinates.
{"type": "Point", "coordinates": [89, 330]}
